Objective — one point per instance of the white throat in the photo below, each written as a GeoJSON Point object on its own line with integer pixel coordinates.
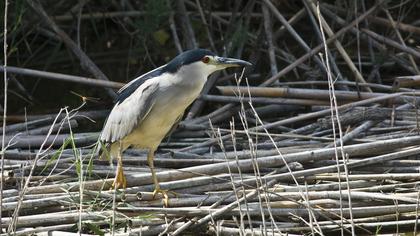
{"type": "Point", "coordinates": [194, 74]}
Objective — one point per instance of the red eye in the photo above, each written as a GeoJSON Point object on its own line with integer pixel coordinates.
{"type": "Point", "coordinates": [205, 59]}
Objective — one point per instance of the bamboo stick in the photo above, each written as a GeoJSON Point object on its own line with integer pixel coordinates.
{"type": "Point", "coordinates": [62, 77]}
{"type": "Point", "coordinates": [299, 93]}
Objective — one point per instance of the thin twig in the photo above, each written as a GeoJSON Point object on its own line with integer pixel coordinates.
{"type": "Point", "coordinates": [3, 145]}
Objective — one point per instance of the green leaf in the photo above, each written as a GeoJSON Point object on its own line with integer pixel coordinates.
{"type": "Point", "coordinates": [57, 154]}
{"type": "Point", "coordinates": [156, 13]}
{"type": "Point", "coordinates": [161, 36]}
{"type": "Point", "coordinates": [95, 229]}
{"type": "Point", "coordinates": [105, 152]}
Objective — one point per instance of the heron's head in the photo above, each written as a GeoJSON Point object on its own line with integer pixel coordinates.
{"type": "Point", "coordinates": [203, 61]}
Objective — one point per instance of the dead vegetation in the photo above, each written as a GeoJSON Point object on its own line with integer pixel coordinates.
{"type": "Point", "coordinates": [320, 137]}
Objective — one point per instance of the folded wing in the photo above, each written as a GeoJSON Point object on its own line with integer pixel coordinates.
{"type": "Point", "coordinates": [129, 112]}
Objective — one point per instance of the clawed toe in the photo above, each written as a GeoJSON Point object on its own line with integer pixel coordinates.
{"type": "Point", "coordinates": [120, 181]}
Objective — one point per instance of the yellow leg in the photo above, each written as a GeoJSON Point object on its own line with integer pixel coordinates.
{"type": "Point", "coordinates": [157, 190]}
{"type": "Point", "coordinates": [120, 181]}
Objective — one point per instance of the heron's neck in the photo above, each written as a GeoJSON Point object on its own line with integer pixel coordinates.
{"type": "Point", "coordinates": [192, 76]}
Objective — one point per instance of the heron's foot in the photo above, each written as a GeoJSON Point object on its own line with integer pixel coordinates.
{"type": "Point", "coordinates": [164, 194]}
{"type": "Point", "coordinates": [120, 181]}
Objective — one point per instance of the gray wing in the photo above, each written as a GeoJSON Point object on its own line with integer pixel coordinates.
{"type": "Point", "coordinates": [127, 114]}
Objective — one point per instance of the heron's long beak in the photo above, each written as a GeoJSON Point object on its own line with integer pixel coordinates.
{"type": "Point", "coordinates": [231, 62]}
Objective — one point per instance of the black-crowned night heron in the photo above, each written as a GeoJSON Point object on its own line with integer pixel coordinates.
{"type": "Point", "coordinates": [149, 106]}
